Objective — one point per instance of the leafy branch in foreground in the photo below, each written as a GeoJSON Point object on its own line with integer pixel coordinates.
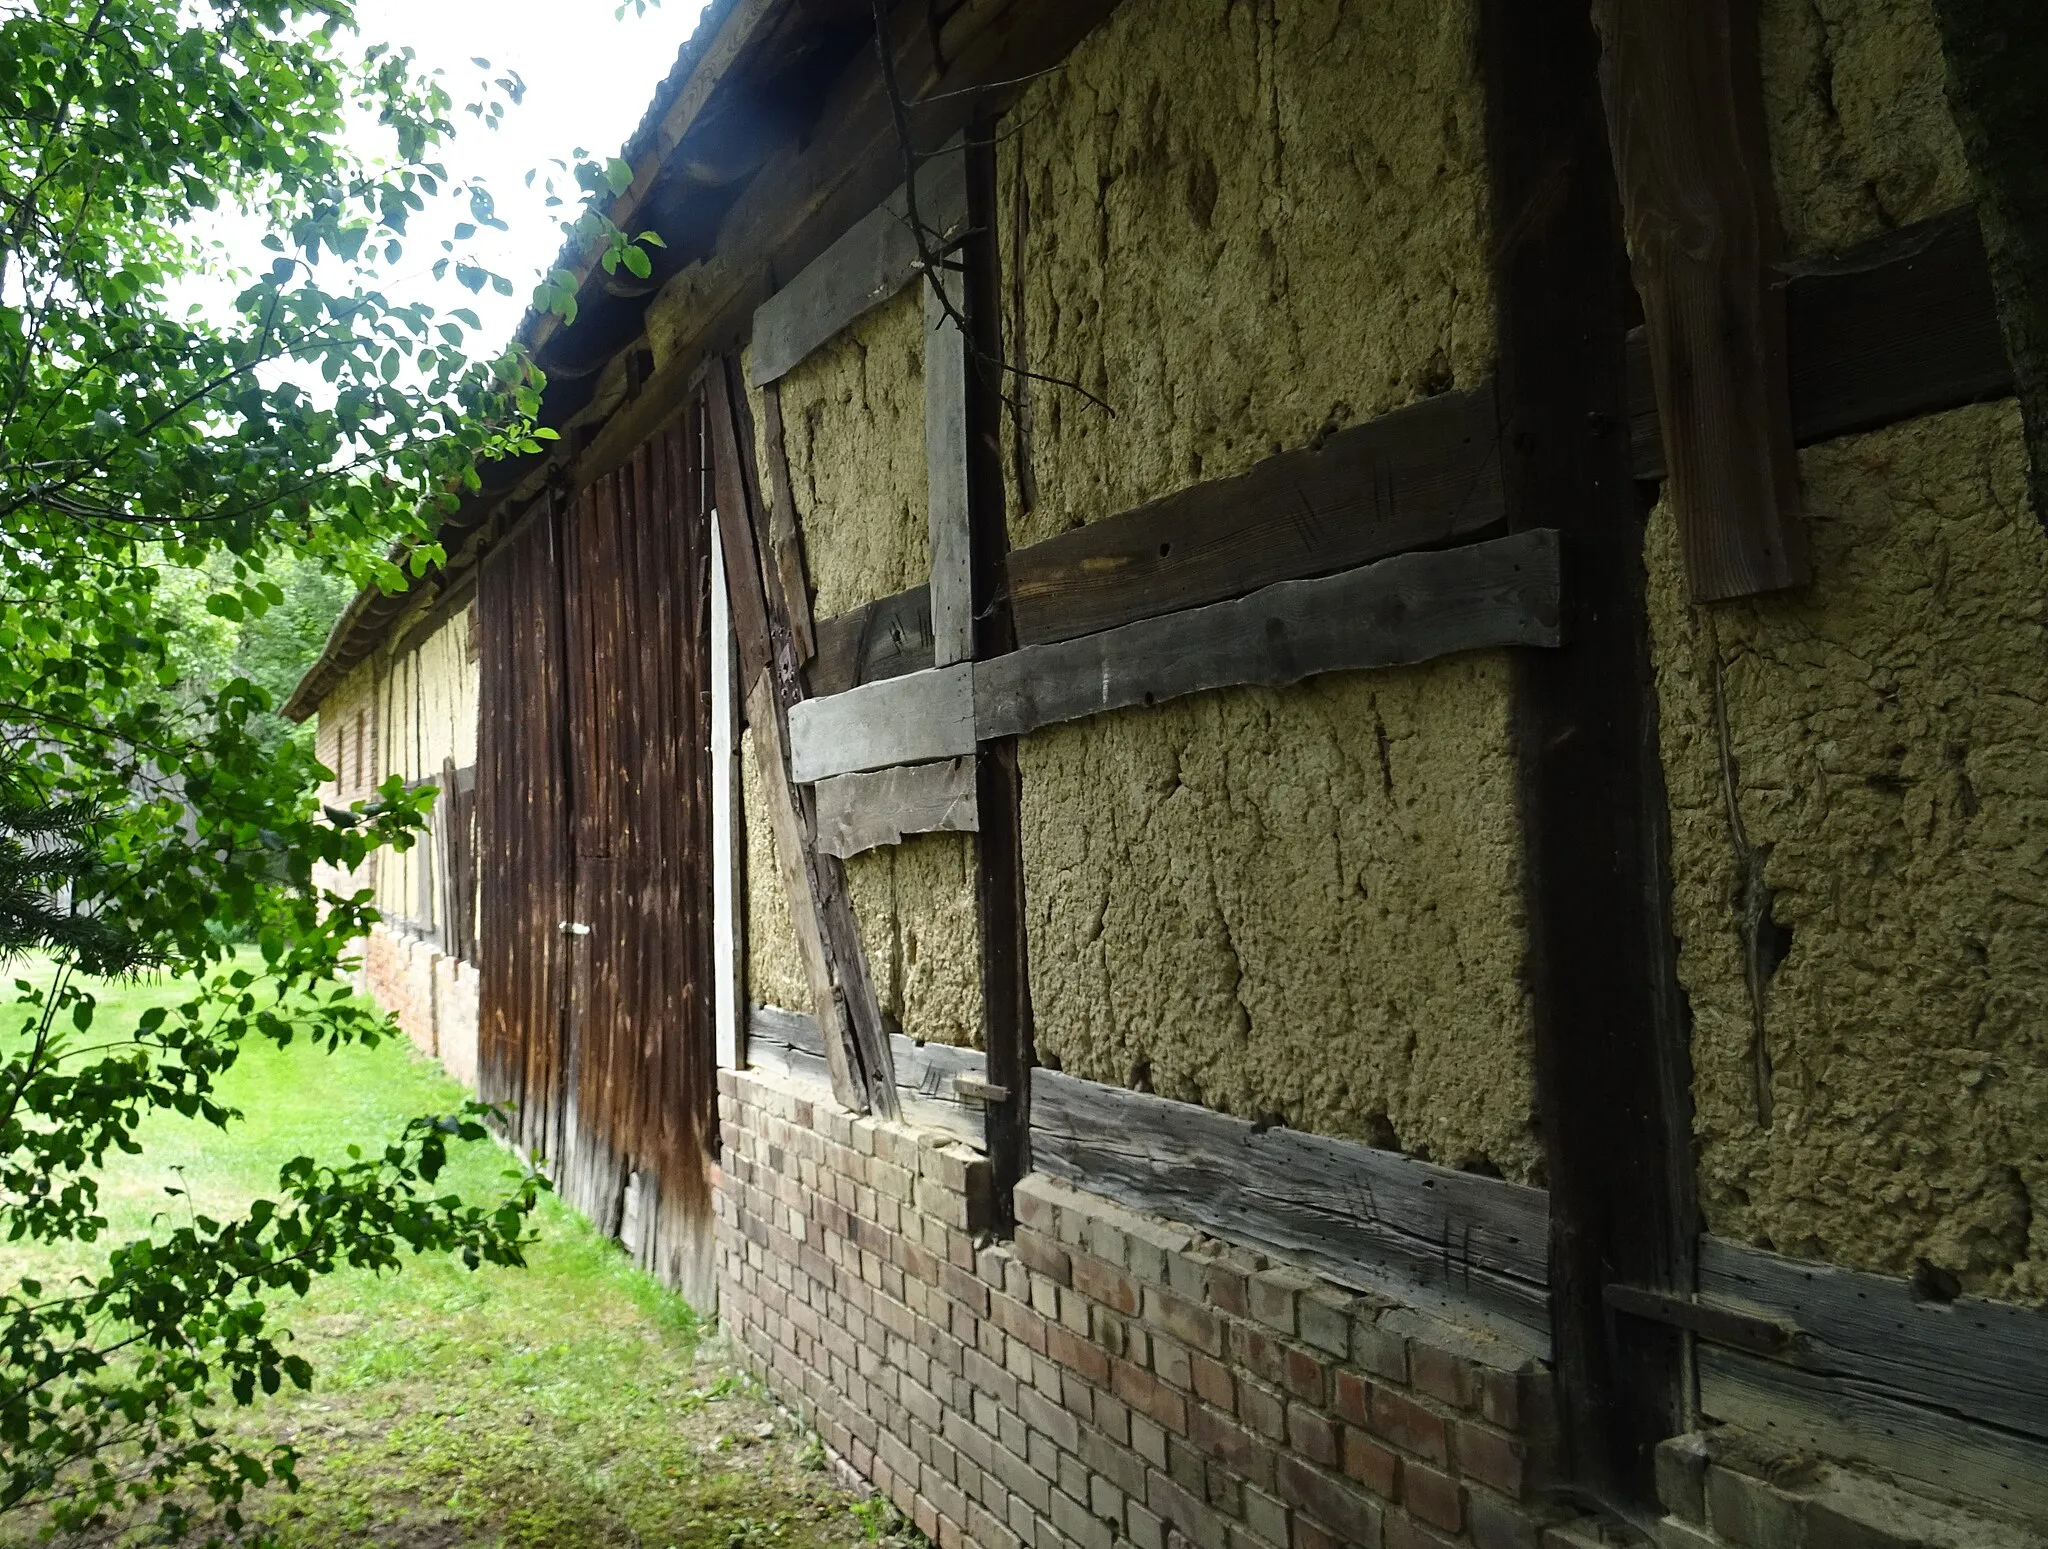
{"type": "Point", "coordinates": [206, 381]}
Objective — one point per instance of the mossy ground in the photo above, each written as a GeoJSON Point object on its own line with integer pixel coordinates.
{"type": "Point", "coordinates": [572, 1403]}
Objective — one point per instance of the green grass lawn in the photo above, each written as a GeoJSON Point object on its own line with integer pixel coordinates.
{"type": "Point", "coordinates": [572, 1403]}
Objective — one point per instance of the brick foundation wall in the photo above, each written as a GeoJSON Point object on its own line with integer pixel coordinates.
{"type": "Point", "coordinates": [432, 996]}
{"type": "Point", "coordinates": [1107, 1377]}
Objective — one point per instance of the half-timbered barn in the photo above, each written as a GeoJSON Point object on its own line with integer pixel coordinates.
{"type": "Point", "coordinates": [1276, 771]}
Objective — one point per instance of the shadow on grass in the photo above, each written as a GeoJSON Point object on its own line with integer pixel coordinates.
{"type": "Point", "coordinates": [574, 1403]}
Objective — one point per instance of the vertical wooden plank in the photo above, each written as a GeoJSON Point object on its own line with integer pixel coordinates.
{"type": "Point", "coordinates": [828, 938]}
{"type": "Point", "coordinates": [1997, 57]}
{"type": "Point", "coordinates": [727, 931]}
{"type": "Point", "coordinates": [1609, 1051]}
{"type": "Point", "coordinates": [785, 541]}
{"type": "Point", "coordinates": [946, 456]}
{"type": "Point", "coordinates": [1683, 96]}
{"type": "Point", "coordinates": [1007, 1028]}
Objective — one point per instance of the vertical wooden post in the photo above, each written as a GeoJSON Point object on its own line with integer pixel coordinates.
{"type": "Point", "coordinates": [728, 933]}
{"type": "Point", "coordinates": [1684, 117]}
{"type": "Point", "coordinates": [828, 938]}
{"type": "Point", "coordinates": [1611, 1083]}
{"type": "Point", "coordinates": [1997, 57]}
{"type": "Point", "coordinates": [1005, 967]}
{"type": "Point", "coordinates": [947, 459]}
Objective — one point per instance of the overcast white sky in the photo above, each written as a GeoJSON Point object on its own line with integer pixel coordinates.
{"type": "Point", "coordinates": [588, 79]}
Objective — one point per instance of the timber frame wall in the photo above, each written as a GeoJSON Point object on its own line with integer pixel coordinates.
{"type": "Point", "coordinates": [1034, 1309]}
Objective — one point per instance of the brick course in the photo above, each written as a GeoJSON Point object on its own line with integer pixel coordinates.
{"type": "Point", "coordinates": [1106, 1378]}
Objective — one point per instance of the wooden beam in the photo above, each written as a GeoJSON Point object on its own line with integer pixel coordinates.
{"type": "Point", "coordinates": [1007, 1029]}
{"type": "Point", "coordinates": [1997, 57]}
{"type": "Point", "coordinates": [1682, 104]}
{"type": "Point", "coordinates": [1612, 1083]}
{"type": "Point", "coordinates": [828, 938]}
{"type": "Point", "coordinates": [1416, 478]}
{"type": "Point", "coordinates": [728, 830]}
{"type": "Point", "coordinates": [1984, 1360]}
{"type": "Point", "coordinates": [860, 271]}
{"type": "Point", "coordinates": [932, 1079]}
{"type": "Point", "coordinates": [1894, 328]}
{"type": "Point", "coordinates": [1372, 1220]}
{"type": "Point", "coordinates": [908, 720]}
{"type": "Point", "coordinates": [945, 449]}
{"type": "Point", "coordinates": [1826, 1417]}
{"type": "Point", "coordinates": [1411, 608]}
{"type": "Point", "coordinates": [859, 812]}
{"type": "Point", "coordinates": [785, 539]}
{"type": "Point", "coordinates": [881, 639]}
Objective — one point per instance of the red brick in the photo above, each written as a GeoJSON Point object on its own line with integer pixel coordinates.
{"type": "Point", "coordinates": [1377, 1468]}
{"type": "Point", "coordinates": [1045, 1256]}
{"type": "Point", "coordinates": [1312, 1435]}
{"type": "Point", "coordinates": [1436, 1498]}
{"type": "Point", "coordinates": [1440, 1375]}
{"type": "Point", "coordinates": [1308, 1536]}
{"type": "Point", "coordinates": [1352, 1397]}
{"type": "Point", "coordinates": [1334, 1504]}
{"type": "Point", "coordinates": [1214, 1384]}
{"type": "Point", "coordinates": [1263, 1356]}
{"type": "Point", "coordinates": [1229, 1289]}
{"type": "Point", "coordinates": [1077, 1354]}
{"type": "Point", "coordinates": [1407, 1533]}
{"type": "Point", "coordinates": [1494, 1459]}
{"type": "Point", "coordinates": [1230, 1444]}
{"type": "Point", "coordinates": [1187, 1321]}
{"type": "Point", "coordinates": [1263, 1410]}
{"type": "Point", "coordinates": [1149, 1396]}
{"type": "Point", "coordinates": [1307, 1375]}
{"type": "Point", "coordinates": [1099, 1283]}
{"type": "Point", "coordinates": [1409, 1426]}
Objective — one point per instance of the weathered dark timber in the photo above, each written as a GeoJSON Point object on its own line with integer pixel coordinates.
{"type": "Point", "coordinates": [455, 843]}
{"type": "Point", "coordinates": [642, 1105]}
{"type": "Point", "coordinates": [1827, 1416]}
{"type": "Point", "coordinates": [593, 827]}
{"type": "Point", "coordinates": [946, 479]}
{"type": "Point", "coordinates": [926, 1073]}
{"type": "Point", "coordinates": [1894, 328]}
{"type": "Point", "coordinates": [523, 841]}
{"type": "Point", "coordinates": [906, 720]}
{"type": "Point", "coordinates": [875, 259]}
{"type": "Point", "coordinates": [1997, 57]}
{"type": "Point", "coordinates": [785, 538]}
{"type": "Point", "coordinates": [1979, 1360]}
{"type": "Point", "coordinates": [1708, 1320]}
{"type": "Point", "coordinates": [828, 937]}
{"type": "Point", "coordinates": [881, 639]}
{"type": "Point", "coordinates": [1682, 86]}
{"type": "Point", "coordinates": [1609, 1057]}
{"type": "Point", "coordinates": [1411, 608]}
{"type": "Point", "coordinates": [1008, 1031]}
{"type": "Point", "coordinates": [858, 812]}
{"type": "Point", "coordinates": [1373, 1220]}
{"type": "Point", "coordinates": [1415, 478]}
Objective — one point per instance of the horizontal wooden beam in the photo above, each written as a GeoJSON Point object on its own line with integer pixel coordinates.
{"type": "Point", "coordinates": [1827, 1416]}
{"type": "Point", "coordinates": [1373, 1220]}
{"type": "Point", "coordinates": [860, 271]}
{"type": "Point", "coordinates": [908, 720]}
{"type": "Point", "coordinates": [859, 812]}
{"type": "Point", "coordinates": [1415, 478]}
{"type": "Point", "coordinates": [1411, 608]}
{"type": "Point", "coordinates": [926, 1073]}
{"type": "Point", "coordinates": [1980, 1359]}
{"type": "Point", "coordinates": [1898, 327]}
{"type": "Point", "coordinates": [881, 639]}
